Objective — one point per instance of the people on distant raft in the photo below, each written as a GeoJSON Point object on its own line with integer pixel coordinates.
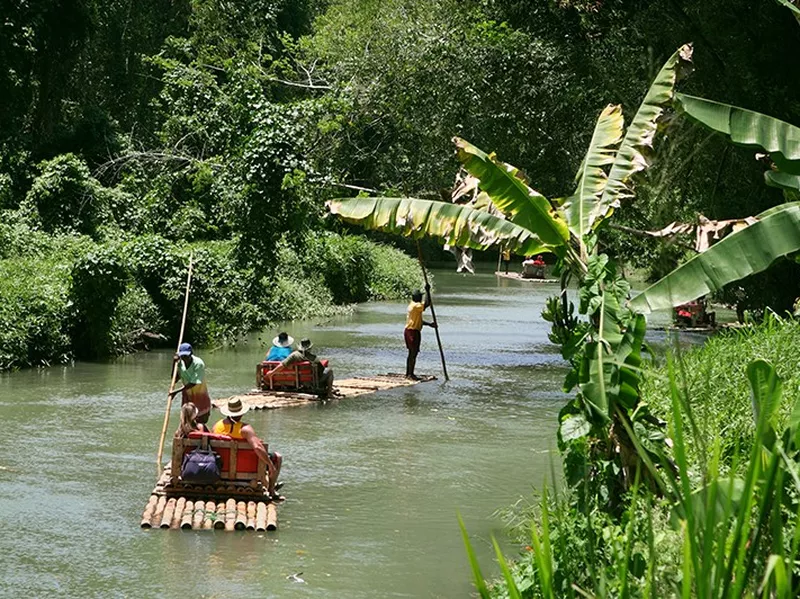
{"type": "Point", "coordinates": [413, 330]}
{"type": "Point", "coordinates": [506, 255]}
{"type": "Point", "coordinates": [189, 422]}
{"type": "Point", "coordinates": [233, 426]}
{"type": "Point", "coordinates": [281, 348]}
{"type": "Point", "coordinates": [193, 376]}
{"type": "Point", "coordinates": [304, 354]}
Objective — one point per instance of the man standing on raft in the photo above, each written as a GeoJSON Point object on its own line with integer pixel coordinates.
{"type": "Point", "coordinates": [193, 376]}
{"type": "Point", "coordinates": [413, 331]}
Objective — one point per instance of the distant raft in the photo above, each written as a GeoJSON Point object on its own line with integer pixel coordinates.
{"type": "Point", "coordinates": [518, 277]}
{"type": "Point", "coordinates": [269, 399]}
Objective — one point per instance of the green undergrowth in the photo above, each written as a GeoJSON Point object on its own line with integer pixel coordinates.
{"type": "Point", "coordinates": [713, 376]}
{"type": "Point", "coordinates": [66, 295]}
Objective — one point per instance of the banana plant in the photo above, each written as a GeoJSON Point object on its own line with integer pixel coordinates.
{"type": "Point", "coordinates": [776, 232]}
{"type": "Point", "coordinates": [604, 351]}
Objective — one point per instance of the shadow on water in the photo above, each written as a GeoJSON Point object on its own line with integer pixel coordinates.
{"type": "Point", "coordinates": [374, 483]}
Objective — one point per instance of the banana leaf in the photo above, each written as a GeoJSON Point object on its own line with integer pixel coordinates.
{"type": "Point", "coordinates": [582, 207]}
{"type": "Point", "coordinates": [632, 156]}
{"type": "Point", "coordinates": [512, 196]}
{"type": "Point", "coordinates": [795, 10]}
{"type": "Point", "coordinates": [457, 225]}
{"type": "Point", "coordinates": [746, 252]}
{"type": "Point", "coordinates": [748, 128]}
{"type": "Point", "coordinates": [782, 180]}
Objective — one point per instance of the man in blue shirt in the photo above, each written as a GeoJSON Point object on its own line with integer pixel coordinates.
{"type": "Point", "coordinates": [281, 348]}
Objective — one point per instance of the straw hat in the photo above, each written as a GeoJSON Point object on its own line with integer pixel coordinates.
{"type": "Point", "coordinates": [234, 408]}
{"type": "Point", "coordinates": [283, 340]}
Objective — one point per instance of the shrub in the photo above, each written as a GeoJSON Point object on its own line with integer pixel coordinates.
{"type": "Point", "coordinates": [65, 198]}
{"type": "Point", "coordinates": [136, 323]}
{"type": "Point", "coordinates": [34, 304]}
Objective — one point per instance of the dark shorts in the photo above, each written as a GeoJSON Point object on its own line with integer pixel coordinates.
{"type": "Point", "coordinates": [413, 338]}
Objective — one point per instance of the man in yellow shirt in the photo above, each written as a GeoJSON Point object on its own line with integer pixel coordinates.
{"type": "Point", "coordinates": [413, 331]}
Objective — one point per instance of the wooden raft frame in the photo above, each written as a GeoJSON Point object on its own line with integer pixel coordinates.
{"type": "Point", "coordinates": [343, 389]}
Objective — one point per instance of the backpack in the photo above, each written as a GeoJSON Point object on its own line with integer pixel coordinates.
{"type": "Point", "coordinates": [201, 466]}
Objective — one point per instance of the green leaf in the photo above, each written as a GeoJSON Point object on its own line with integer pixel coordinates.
{"type": "Point", "coordinates": [632, 156]}
{"type": "Point", "coordinates": [782, 180]}
{"type": "Point", "coordinates": [765, 389]}
{"type": "Point", "coordinates": [574, 427]}
{"type": "Point", "coordinates": [454, 224]}
{"type": "Point", "coordinates": [512, 196]}
{"type": "Point", "coordinates": [480, 581]}
{"type": "Point", "coordinates": [795, 10]}
{"type": "Point", "coordinates": [582, 207]}
{"type": "Point", "coordinates": [748, 128]}
{"type": "Point", "coordinates": [746, 252]}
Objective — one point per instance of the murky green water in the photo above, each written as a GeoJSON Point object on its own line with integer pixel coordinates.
{"type": "Point", "coordinates": [373, 483]}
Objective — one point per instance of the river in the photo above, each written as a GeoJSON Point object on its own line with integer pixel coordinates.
{"type": "Point", "coordinates": [373, 483]}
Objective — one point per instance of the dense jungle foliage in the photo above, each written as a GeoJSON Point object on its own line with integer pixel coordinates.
{"type": "Point", "coordinates": [132, 133]}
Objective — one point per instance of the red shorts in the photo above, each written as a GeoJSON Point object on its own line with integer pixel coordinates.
{"type": "Point", "coordinates": [413, 338]}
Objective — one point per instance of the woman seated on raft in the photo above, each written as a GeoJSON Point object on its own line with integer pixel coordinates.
{"type": "Point", "coordinates": [189, 422]}
{"type": "Point", "coordinates": [233, 426]}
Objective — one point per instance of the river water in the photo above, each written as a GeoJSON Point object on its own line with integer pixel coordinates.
{"type": "Point", "coordinates": [373, 483]}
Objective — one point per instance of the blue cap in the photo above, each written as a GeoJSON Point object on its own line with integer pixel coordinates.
{"type": "Point", "coordinates": [184, 349]}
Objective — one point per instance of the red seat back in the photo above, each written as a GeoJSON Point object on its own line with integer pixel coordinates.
{"type": "Point", "coordinates": [296, 376]}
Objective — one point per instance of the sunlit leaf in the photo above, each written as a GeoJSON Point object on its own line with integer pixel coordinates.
{"type": "Point", "coordinates": [457, 225]}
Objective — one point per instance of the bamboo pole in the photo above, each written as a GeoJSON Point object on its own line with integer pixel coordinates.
{"type": "Point", "coordinates": [188, 516]}
{"type": "Point", "coordinates": [219, 523]}
{"type": "Point", "coordinates": [261, 516]}
{"type": "Point", "coordinates": [241, 516]}
{"type": "Point", "coordinates": [178, 515]}
{"type": "Point", "coordinates": [199, 515]}
{"type": "Point", "coordinates": [230, 514]}
{"type": "Point", "coordinates": [272, 517]}
{"type": "Point", "coordinates": [251, 515]}
{"type": "Point", "coordinates": [175, 367]}
{"type": "Point", "coordinates": [210, 508]}
{"type": "Point", "coordinates": [159, 511]}
{"type": "Point", "coordinates": [147, 516]}
{"type": "Point", "coordinates": [166, 519]}
{"type": "Point", "coordinates": [433, 312]}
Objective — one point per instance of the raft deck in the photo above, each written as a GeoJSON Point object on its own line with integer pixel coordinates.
{"type": "Point", "coordinates": [208, 507]}
{"type": "Point", "coordinates": [343, 389]}
{"type": "Point", "coordinates": [518, 277]}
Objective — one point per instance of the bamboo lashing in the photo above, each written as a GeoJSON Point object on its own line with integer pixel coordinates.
{"type": "Point", "coordinates": [219, 523]}
{"type": "Point", "coordinates": [175, 366]}
{"type": "Point", "coordinates": [199, 515]}
{"type": "Point", "coordinates": [208, 523]}
{"type": "Point", "coordinates": [433, 312]}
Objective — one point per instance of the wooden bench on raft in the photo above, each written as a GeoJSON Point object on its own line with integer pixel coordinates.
{"type": "Point", "coordinates": [242, 471]}
{"type": "Point", "coordinates": [301, 376]}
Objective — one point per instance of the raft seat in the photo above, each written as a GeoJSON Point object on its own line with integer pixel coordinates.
{"type": "Point", "coordinates": [240, 464]}
{"type": "Point", "coordinates": [297, 377]}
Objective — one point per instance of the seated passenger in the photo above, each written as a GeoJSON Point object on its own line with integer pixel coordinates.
{"type": "Point", "coordinates": [189, 422]}
{"type": "Point", "coordinates": [281, 348]}
{"type": "Point", "coordinates": [303, 354]}
{"type": "Point", "coordinates": [233, 426]}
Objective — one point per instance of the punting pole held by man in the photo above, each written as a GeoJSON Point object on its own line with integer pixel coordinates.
{"type": "Point", "coordinates": [175, 365]}
{"type": "Point", "coordinates": [433, 312]}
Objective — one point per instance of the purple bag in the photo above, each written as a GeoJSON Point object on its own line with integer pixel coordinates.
{"type": "Point", "coordinates": [201, 466]}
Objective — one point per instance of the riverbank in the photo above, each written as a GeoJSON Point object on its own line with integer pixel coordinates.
{"type": "Point", "coordinates": [69, 296]}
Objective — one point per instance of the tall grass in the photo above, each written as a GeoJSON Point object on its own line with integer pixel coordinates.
{"type": "Point", "coordinates": [734, 536]}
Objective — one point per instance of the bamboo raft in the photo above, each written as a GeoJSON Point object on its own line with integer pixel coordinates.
{"type": "Point", "coordinates": [346, 388]}
{"type": "Point", "coordinates": [226, 505]}
{"type": "Point", "coordinates": [518, 277]}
